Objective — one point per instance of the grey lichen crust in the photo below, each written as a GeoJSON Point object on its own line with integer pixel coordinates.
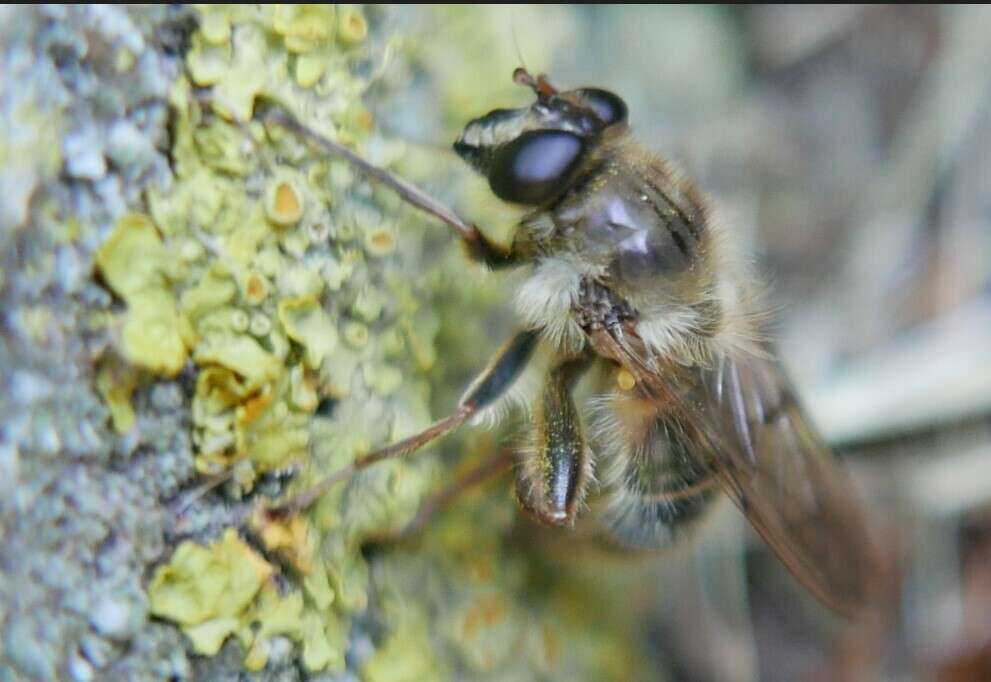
{"type": "Point", "coordinates": [201, 312]}
{"type": "Point", "coordinates": [83, 116]}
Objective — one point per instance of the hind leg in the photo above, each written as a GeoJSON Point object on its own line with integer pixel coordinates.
{"type": "Point", "coordinates": [486, 471]}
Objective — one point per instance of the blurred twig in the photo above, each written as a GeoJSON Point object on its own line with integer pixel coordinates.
{"type": "Point", "coordinates": [937, 375]}
{"type": "Point", "coordinates": [894, 206]}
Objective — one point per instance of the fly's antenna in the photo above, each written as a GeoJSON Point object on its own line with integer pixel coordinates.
{"type": "Point", "coordinates": [516, 41]}
{"type": "Point", "coordinates": [540, 85]}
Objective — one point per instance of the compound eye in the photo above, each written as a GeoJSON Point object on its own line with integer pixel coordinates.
{"type": "Point", "coordinates": [607, 106]}
{"type": "Point", "coordinates": [536, 166]}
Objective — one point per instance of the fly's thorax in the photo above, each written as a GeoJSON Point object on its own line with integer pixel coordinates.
{"type": "Point", "coordinates": [641, 231]}
{"type": "Point", "coordinates": [646, 229]}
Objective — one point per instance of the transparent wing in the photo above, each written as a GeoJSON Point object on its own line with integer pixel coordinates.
{"type": "Point", "coordinates": [741, 419]}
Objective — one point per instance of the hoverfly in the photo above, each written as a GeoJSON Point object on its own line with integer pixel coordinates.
{"type": "Point", "coordinates": [632, 286]}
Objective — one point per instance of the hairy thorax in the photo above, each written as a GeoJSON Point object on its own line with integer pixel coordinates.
{"type": "Point", "coordinates": [630, 242]}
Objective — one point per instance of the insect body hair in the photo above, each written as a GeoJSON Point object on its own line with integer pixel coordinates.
{"type": "Point", "coordinates": [652, 496]}
{"type": "Point", "coordinates": [548, 297]}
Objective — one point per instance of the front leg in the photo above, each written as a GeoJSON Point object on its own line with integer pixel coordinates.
{"type": "Point", "coordinates": [553, 473]}
{"type": "Point", "coordinates": [479, 247]}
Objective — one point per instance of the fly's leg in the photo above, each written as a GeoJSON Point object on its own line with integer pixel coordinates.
{"type": "Point", "coordinates": [501, 372]}
{"type": "Point", "coordinates": [553, 473]}
{"type": "Point", "coordinates": [441, 500]}
{"type": "Point", "coordinates": [478, 246]}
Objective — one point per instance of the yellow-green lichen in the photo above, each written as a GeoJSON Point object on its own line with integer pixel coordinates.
{"type": "Point", "coordinates": [356, 334]}
{"type": "Point", "coordinates": [208, 637]}
{"type": "Point", "coordinates": [214, 289]}
{"type": "Point", "coordinates": [369, 303]}
{"type": "Point", "coordinates": [215, 28]}
{"type": "Point", "coordinates": [406, 656]}
{"type": "Point", "coordinates": [260, 324]}
{"type": "Point", "coordinates": [244, 72]}
{"type": "Point", "coordinates": [133, 262]}
{"type": "Point", "coordinates": [485, 629]}
{"type": "Point", "coordinates": [317, 586]}
{"type": "Point", "coordinates": [124, 60]}
{"type": "Point", "coordinates": [306, 322]}
{"type": "Point", "coordinates": [207, 63]}
{"type": "Point", "coordinates": [255, 287]}
{"type": "Point", "coordinates": [240, 353]}
{"type": "Point", "coordinates": [300, 281]}
{"type": "Point", "coordinates": [270, 432]}
{"type": "Point", "coordinates": [242, 245]}
{"type": "Point", "coordinates": [223, 146]}
{"type": "Point", "coordinates": [352, 27]}
{"type": "Point", "coordinates": [338, 271]}
{"type": "Point", "coordinates": [292, 538]}
{"type": "Point", "coordinates": [239, 320]}
{"type": "Point", "coordinates": [116, 382]}
{"type": "Point", "coordinates": [319, 631]}
{"type": "Point", "coordinates": [302, 389]}
{"type": "Point", "coordinates": [380, 241]}
{"type": "Point", "coordinates": [283, 203]}
{"type": "Point", "coordinates": [273, 614]}
{"type": "Point", "coordinates": [207, 589]}
{"type": "Point", "coordinates": [309, 70]}
{"type": "Point", "coordinates": [305, 27]}
{"type": "Point", "coordinates": [224, 589]}
{"type": "Point", "coordinates": [299, 284]}
{"type": "Point", "coordinates": [383, 379]}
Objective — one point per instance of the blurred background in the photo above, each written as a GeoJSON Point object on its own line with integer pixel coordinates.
{"type": "Point", "coordinates": [850, 147]}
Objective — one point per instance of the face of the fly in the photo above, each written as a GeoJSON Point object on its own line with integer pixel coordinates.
{"type": "Point", "coordinates": [530, 155]}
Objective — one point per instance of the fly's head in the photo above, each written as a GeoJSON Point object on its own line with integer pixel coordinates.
{"type": "Point", "coordinates": [532, 154]}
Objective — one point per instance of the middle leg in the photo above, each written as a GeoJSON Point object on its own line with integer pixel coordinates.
{"type": "Point", "coordinates": [488, 470]}
{"type": "Point", "coordinates": [495, 380]}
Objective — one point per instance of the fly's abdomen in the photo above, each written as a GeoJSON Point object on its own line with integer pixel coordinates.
{"type": "Point", "coordinates": [652, 489]}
